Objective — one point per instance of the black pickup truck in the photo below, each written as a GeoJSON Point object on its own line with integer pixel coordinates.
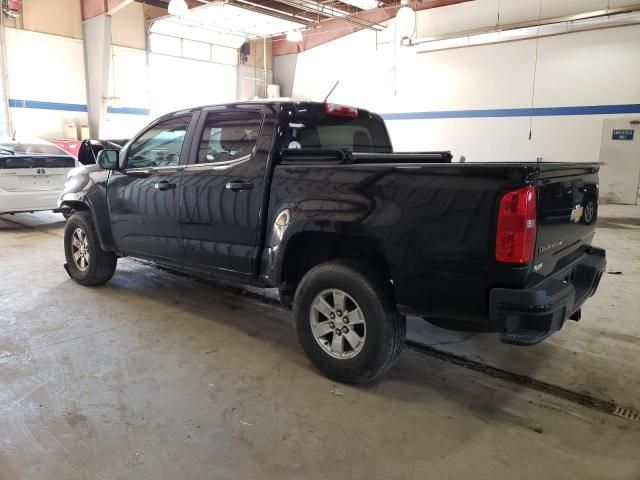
{"type": "Point", "coordinates": [310, 198]}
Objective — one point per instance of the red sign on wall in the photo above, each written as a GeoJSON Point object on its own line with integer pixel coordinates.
{"type": "Point", "coordinates": [14, 5]}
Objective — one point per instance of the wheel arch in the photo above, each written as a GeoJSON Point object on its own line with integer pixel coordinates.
{"type": "Point", "coordinates": [103, 231]}
{"type": "Point", "coordinates": [307, 249]}
{"type": "Point", "coordinates": [77, 205]}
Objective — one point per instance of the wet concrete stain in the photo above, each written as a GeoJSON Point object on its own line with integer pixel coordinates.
{"type": "Point", "coordinates": [623, 223]}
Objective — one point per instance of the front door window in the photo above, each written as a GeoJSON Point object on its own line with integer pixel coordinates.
{"type": "Point", "coordinates": [159, 146]}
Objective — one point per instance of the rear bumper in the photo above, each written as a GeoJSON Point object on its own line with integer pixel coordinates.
{"type": "Point", "coordinates": [13, 202]}
{"type": "Point", "coordinates": [528, 316]}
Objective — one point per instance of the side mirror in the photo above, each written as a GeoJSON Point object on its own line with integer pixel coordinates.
{"type": "Point", "coordinates": [108, 159]}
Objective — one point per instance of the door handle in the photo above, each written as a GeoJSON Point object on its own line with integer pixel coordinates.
{"type": "Point", "coordinates": [239, 186]}
{"type": "Point", "coordinates": [164, 185]}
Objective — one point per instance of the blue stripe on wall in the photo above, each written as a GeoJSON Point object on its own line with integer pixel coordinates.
{"type": "Point", "coordinates": [71, 107]}
{"type": "Point", "coordinates": [486, 113]}
{"type": "Point", "coordinates": [68, 107]}
{"type": "Point", "coordinates": [517, 112]}
{"type": "Point", "coordinates": [128, 110]}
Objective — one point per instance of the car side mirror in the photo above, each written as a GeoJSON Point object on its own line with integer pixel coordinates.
{"type": "Point", "coordinates": [108, 159]}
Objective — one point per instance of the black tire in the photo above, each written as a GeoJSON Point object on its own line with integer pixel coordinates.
{"type": "Point", "coordinates": [101, 265]}
{"type": "Point", "coordinates": [67, 214]}
{"type": "Point", "coordinates": [385, 327]}
{"type": "Point", "coordinates": [590, 212]}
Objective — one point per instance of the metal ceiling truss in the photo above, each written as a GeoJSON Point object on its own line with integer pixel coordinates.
{"type": "Point", "coordinates": [300, 11]}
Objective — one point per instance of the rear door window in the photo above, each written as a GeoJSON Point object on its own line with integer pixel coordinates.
{"type": "Point", "coordinates": [229, 136]}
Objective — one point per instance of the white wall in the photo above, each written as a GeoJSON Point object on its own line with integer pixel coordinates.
{"type": "Point", "coordinates": [177, 83]}
{"type": "Point", "coordinates": [44, 68]}
{"type": "Point", "coordinates": [587, 68]}
{"type": "Point", "coordinates": [488, 13]}
{"type": "Point", "coordinates": [129, 86]}
{"type": "Point", "coordinates": [48, 69]}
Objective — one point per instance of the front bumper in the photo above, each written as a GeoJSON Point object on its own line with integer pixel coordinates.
{"type": "Point", "coordinates": [528, 316]}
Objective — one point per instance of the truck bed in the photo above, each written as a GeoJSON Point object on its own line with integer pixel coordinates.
{"type": "Point", "coordinates": [436, 221]}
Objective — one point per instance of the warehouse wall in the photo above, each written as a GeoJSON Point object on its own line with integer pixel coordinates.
{"type": "Point", "coordinates": [488, 13]}
{"type": "Point", "coordinates": [251, 72]}
{"type": "Point", "coordinates": [46, 72]}
{"type": "Point", "coordinates": [57, 17]}
{"type": "Point", "coordinates": [46, 82]}
{"type": "Point", "coordinates": [47, 86]}
{"type": "Point", "coordinates": [579, 69]}
{"type": "Point", "coordinates": [47, 43]}
{"type": "Point", "coordinates": [128, 26]}
{"type": "Point", "coordinates": [129, 87]}
{"type": "Point", "coordinates": [192, 83]}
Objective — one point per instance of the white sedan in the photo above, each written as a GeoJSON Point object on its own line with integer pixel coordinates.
{"type": "Point", "coordinates": [32, 174]}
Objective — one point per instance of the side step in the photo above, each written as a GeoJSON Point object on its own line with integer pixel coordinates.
{"type": "Point", "coordinates": [524, 337]}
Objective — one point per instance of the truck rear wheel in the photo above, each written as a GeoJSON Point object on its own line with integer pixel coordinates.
{"type": "Point", "coordinates": [589, 212]}
{"type": "Point", "coordinates": [87, 263]}
{"type": "Point", "coordinates": [347, 322]}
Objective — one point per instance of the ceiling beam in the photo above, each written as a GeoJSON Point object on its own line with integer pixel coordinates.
{"type": "Point", "coordinates": [287, 7]}
{"type": "Point", "coordinates": [165, 3]}
{"type": "Point", "coordinates": [155, 3]}
{"type": "Point", "coordinates": [94, 8]}
{"type": "Point", "coordinates": [343, 6]}
{"type": "Point", "coordinates": [273, 8]}
{"type": "Point", "coordinates": [325, 31]}
{"type": "Point", "coordinates": [281, 12]}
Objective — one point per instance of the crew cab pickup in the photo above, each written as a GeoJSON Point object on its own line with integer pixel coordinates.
{"type": "Point", "coordinates": [310, 198]}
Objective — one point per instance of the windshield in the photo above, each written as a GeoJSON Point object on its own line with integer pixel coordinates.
{"type": "Point", "coordinates": [18, 148]}
{"type": "Point", "coordinates": [312, 128]}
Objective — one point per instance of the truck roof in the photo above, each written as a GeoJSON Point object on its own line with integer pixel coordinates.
{"type": "Point", "coordinates": [265, 102]}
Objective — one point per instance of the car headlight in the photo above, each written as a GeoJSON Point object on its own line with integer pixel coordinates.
{"type": "Point", "coordinates": [76, 181]}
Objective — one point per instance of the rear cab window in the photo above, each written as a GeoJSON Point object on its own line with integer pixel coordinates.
{"type": "Point", "coordinates": [310, 127]}
{"type": "Point", "coordinates": [15, 154]}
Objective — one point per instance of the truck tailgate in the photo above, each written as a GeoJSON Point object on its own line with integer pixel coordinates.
{"type": "Point", "coordinates": [567, 209]}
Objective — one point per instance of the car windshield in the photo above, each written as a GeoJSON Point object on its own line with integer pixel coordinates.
{"type": "Point", "coordinates": [29, 148]}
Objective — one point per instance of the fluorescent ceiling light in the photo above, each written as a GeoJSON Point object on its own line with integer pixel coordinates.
{"type": "Point", "coordinates": [405, 21]}
{"type": "Point", "coordinates": [178, 7]}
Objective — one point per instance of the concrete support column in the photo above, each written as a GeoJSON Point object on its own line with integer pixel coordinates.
{"type": "Point", "coordinates": [284, 73]}
{"type": "Point", "coordinates": [6, 125]}
{"type": "Point", "coordinates": [97, 61]}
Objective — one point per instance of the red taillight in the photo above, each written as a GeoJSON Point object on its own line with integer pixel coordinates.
{"type": "Point", "coordinates": [517, 221]}
{"type": "Point", "coordinates": [340, 110]}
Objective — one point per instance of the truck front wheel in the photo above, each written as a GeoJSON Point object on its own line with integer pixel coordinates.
{"type": "Point", "coordinates": [346, 321]}
{"type": "Point", "coordinates": [87, 263]}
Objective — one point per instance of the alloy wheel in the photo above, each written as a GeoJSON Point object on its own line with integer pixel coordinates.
{"type": "Point", "coordinates": [338, 324]}
{"type": "Point", "coordinates": [80, 249]}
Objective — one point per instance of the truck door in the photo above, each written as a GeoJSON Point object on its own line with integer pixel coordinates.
{"type": "Point", "coordinates": [222, 189]}
{"type": "Point", "coordinates": [144, 199]}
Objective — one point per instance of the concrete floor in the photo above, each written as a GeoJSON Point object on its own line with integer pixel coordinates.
{"type": "Point", "coordinates": [155, 376]}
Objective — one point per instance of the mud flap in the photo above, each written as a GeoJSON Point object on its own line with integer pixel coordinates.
{"type": "Point", "coordinates": [66, 269]}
